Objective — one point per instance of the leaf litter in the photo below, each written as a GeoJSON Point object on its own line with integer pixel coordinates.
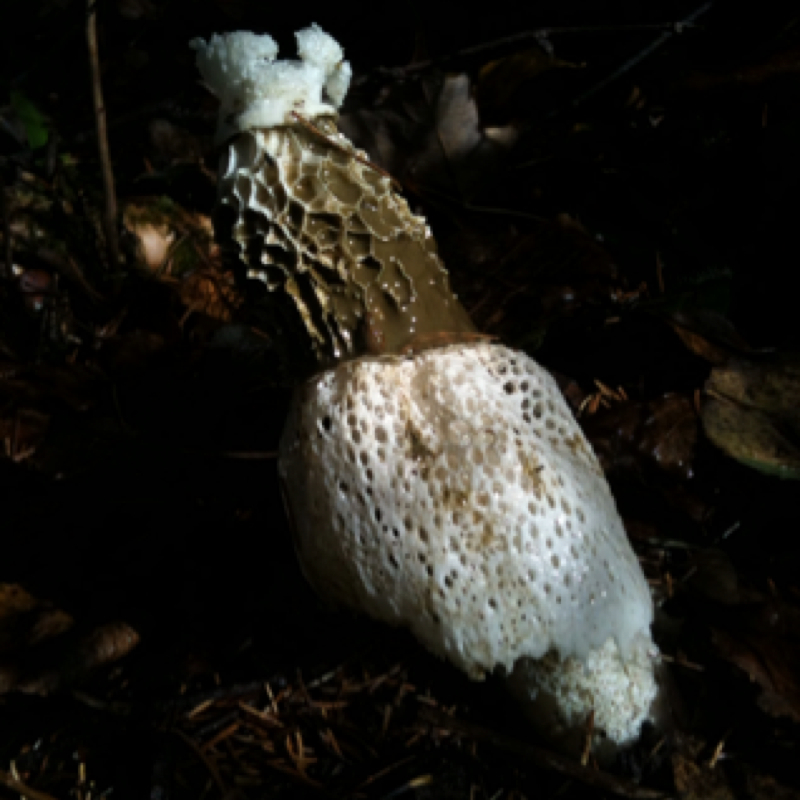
{"type": "Point", "coordinates": [155, 633]}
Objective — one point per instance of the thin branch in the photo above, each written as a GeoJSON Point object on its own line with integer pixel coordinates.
{"type": "Point", "coordinates": [110, 211]}
{"type": "Point", "coordinates": [540, 36]}
{"type": "Point", "coordinates": [674, 30]}
{"type": "Point", "coordinates": [7, 270]}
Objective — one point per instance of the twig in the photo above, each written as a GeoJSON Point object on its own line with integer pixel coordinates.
{"type": "Point", "coordinates": [209, 762]}
{"type": "Point", "coordinates": [538, 36]}
{"type": "Point", "coordinates": [230, 694]}
{"type": "Point", "coordinates": [110, 211]}
{"type": "Point", "coordinates": [674, 29]}
{"type": "Point", "coordinates": [8, 252]}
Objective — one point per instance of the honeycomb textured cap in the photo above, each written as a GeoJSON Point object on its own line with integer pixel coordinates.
{"type": "Point", "coordinates": [256, 91]}
{"type": "Point", "coordinates": [453, 493]}
{"type": "Point", "coordinates": [322, 228]}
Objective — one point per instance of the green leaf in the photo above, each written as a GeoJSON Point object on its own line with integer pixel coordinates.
{"type": "Point", "coordinates": [34, 121]}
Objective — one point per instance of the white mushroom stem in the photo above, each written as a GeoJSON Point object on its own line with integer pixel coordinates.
{"type": "Point", "coordinates": [446, 489]}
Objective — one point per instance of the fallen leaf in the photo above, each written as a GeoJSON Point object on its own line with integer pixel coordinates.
{"type": "Point", "coordinates": [752, 413]}
{"type": "Point", "coordinates": [763, 640]}
{"type": "Point", "coordinates": [660, 434]}
{"type": "Point", "coordinates": [771, 385]}
{"type": "Point", "coordinates": [708, 334]}
{"type": "Point", "coordinates": [75, 659]}
{"type": "Point", "coordinates": [211, 294]}
{"type": "Point", "coordinates": [752, 437]}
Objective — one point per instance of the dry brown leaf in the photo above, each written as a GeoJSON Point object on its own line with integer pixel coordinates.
{"type": "Point", "coordinates": [708, 335]}
{"type": "Point", "coordinates": [696, 780]}
{"type": "Point", "coordinates": [660, 434]}
{"type": "Point", "coordinates": [211, 294]}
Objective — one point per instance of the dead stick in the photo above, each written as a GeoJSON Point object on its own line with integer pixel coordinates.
{"type": "Point", "coordinates": [110, 212]}
{"type": "Point", "coordinates": [8, 248]}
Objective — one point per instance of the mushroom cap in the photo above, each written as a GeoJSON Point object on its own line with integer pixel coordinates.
{"type": "Point", "coordinates": [454, 494]}
{"type": "Point", "coordinates": [256, 91]}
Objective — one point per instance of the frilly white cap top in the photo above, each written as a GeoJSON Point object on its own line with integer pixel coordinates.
{"type": "Point", "coordinates": [256, 91]}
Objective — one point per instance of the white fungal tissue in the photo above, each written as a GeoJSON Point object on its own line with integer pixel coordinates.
{"type": "Point", "coordinates": [454, 494]}
{"type": "Point", "coordinates": [256, 91]}
{"type": "Point", "coordinates": [449, 491]}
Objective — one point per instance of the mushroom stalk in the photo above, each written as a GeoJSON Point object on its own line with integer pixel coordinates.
{"type": "Point", "coordinates": [446, 489]}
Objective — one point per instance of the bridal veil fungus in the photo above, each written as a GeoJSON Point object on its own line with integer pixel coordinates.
{"type": "Point", "coordinates": [435, 480]}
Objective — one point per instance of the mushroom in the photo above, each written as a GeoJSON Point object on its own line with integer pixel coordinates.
{"type": "Point", "coordinates": [435, 480]}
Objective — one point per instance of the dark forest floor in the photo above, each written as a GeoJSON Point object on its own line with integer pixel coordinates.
{"type": "Point", "coordinates": [633, 229]}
